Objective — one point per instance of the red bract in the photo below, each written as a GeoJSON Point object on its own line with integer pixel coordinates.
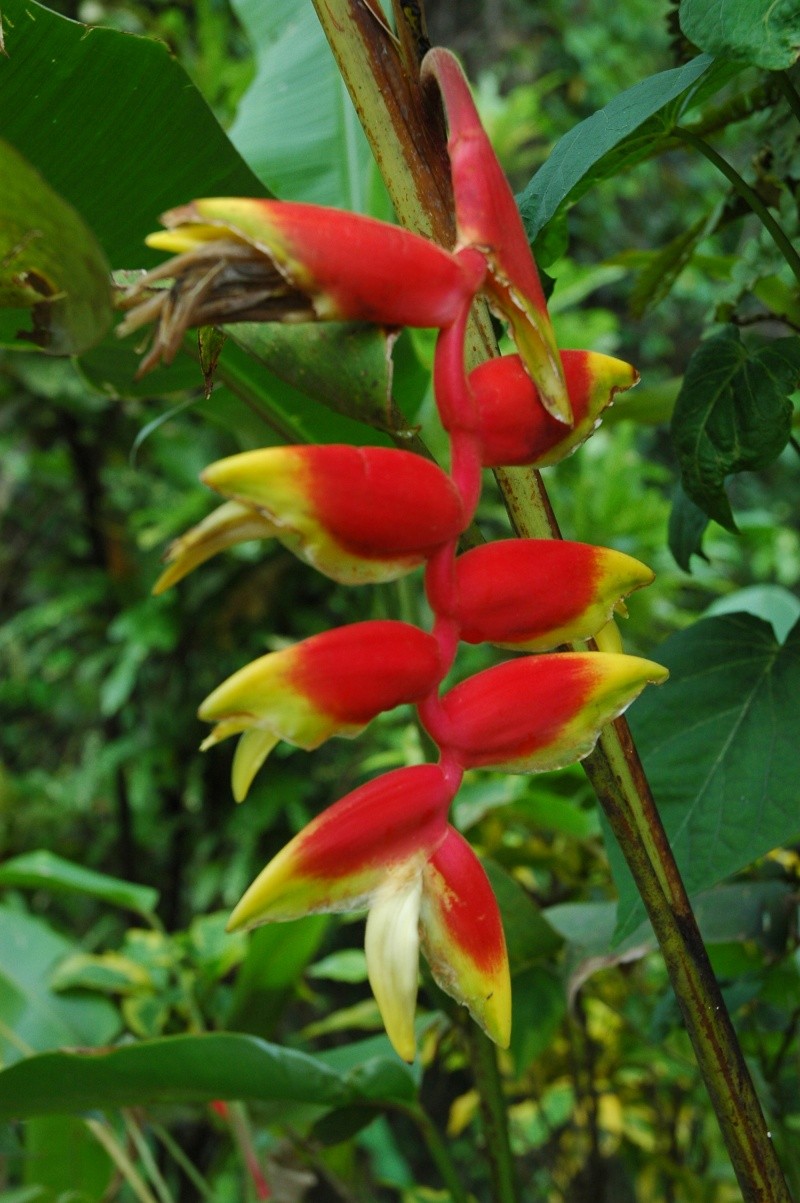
{"type": "Point", "coordinates": [487, 218]}
{"type": "Point", "coordinates": [462, 935]}
{"type": "Point", "coordinates": [387, 847]}
{"type": "Point", "coordinates": [541, 712]}
{"type": "Point", "coordinates": [240, 259]}
{"type": "Point", "coordinates": [331, 684]}
{"type": "Point", "coordinates": [515, 428]}
{"type": "Point", "coordinates": [344, 855]}
{"type": "Point", "coordinates": [348, 266]}
{"type": "Point", "coordinates": [533, 594]}
{"type": "Point", "coordinates": [358, 514]}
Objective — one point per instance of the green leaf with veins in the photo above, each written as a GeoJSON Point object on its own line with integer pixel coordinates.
{"type": "Point", "coordinates": [114, 124]}
{"type": "Point", "coordinates": [718, 743]}
{"type": "Point", "coordinates": [733, 414]}
{"type": "Point", "coordinates": [296, 125]}
{"type": "Point", "coordinates": [764, 33]}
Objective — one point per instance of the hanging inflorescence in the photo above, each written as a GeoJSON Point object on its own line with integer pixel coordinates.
{"type": "Point", "coordinates": [365, 515]}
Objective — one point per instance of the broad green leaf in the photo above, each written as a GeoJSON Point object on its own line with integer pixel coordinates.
{"type": "Point", "coordinates": [616, 136]}
{"type": "Point", "coordinates": [110, 368]}
{"type": "Point", "coordinates": [32, 1017]}
{"type": "Point", "coordinates": [249, 399]}
{"type": "Point", "coordinates": [765, 33]}
{"type": "Point", "coordinates": [44, 870]}
{"type": "Point", "coordinates": [296, 125]}
{"type": "Point", "coordinates": [687, 525]}
{"type": "Point", "coordinates": [343, 1124]}
{"type": "Point", "coordinates": [732, 414]}
{"type": "Point", "coordinates": [380, 1077]}
{"type": "Point", "coordinates": [63, 1156]}
{"type": "Point", "coordinates": [295, 416]}
{"type": "Point", "coordinates": [589, 926]}
{"type": "Point", "coordinates": [735, 912]}
{"type": "Point", "coordinates": [747, 911]}
{"type": "Point", "coordinates": [191, 1069]}
{"type": "Point", "coordinates": [775, 604]}
{"type": "Point", "coordinates": [114, 124]}
{"type": "Point", "coordinates": [597, 935]}
{"type": "Point", "coordinates": [718, 745]}
{"type": "Point", "coordinates": [50, 262]}
{"type": "Point", "coordinates": [276, 957]}
{"type": "Point", "coordinates": [539, 1005]}
{"type": "Point", "coordinates": [528, 934]}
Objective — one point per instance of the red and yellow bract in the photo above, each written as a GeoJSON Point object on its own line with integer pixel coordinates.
{"type": "Point", "coordinates": [534, 594]}
{"type": "Point", "coordinates": [331, 684]}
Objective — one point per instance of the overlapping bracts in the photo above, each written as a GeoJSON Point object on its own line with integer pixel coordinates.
{"type": "Point", "coordinates": [367, 515]}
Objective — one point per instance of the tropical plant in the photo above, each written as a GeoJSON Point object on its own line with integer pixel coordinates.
{"type": "Point", "coordinates": [300, 310]}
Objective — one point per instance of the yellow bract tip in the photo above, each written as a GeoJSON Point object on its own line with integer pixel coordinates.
{"type": "Point", "coordinates": [183, 238]}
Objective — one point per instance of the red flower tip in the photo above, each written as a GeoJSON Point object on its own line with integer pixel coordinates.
{"type": "Point", "coordinates": [515, 427]}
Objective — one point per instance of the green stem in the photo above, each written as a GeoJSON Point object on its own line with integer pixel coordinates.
{"type": "Point", "coordinates": [748, 195]}
{"type": "Point", "coordinates": [618, 779]}
{"type": "Point", "coordinates": [789, 91]}
{"type": "Point", "coordinates": [179, 1157]}
{"type": "Point", "coordinates": [146, 1158]}
{"type": "Point", "coordinates": [381, 79]}
{"type": "Point", "coordinates": [437, 1148]}
{"type": "Point", "coordinates": [794, 443]}
{"type": "Point", "coordinates": [485, 1071]}
{"type": "Point", "coordinates": [104, 1136]}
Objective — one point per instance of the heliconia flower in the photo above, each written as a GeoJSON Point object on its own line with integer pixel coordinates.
{"type": "Point", "coordinates": [387, 847]}
{"type": "Point", "coordinates": [331, 684]}
{"type": "Point", "coordinates": [241, 259]}
{"type": "Point", "coordinates": [487, 219]}
{"type": "Point", "coordinates": [358, 514]}
{"type": "Point", "coordinates": [515, 427]}
{"type": "Point", "coordinates": [539, 713]}
{"type": "Point", "coordinates": [533, 594]}
{"type": "Point", "coordinates": [226, 526]}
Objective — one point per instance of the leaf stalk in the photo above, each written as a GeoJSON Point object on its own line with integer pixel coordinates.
{"type": "Point", "coordinates": [748, 195]}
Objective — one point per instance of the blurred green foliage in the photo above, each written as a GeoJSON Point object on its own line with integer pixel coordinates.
{"type": "Point", "coordinates": [99, 684]}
